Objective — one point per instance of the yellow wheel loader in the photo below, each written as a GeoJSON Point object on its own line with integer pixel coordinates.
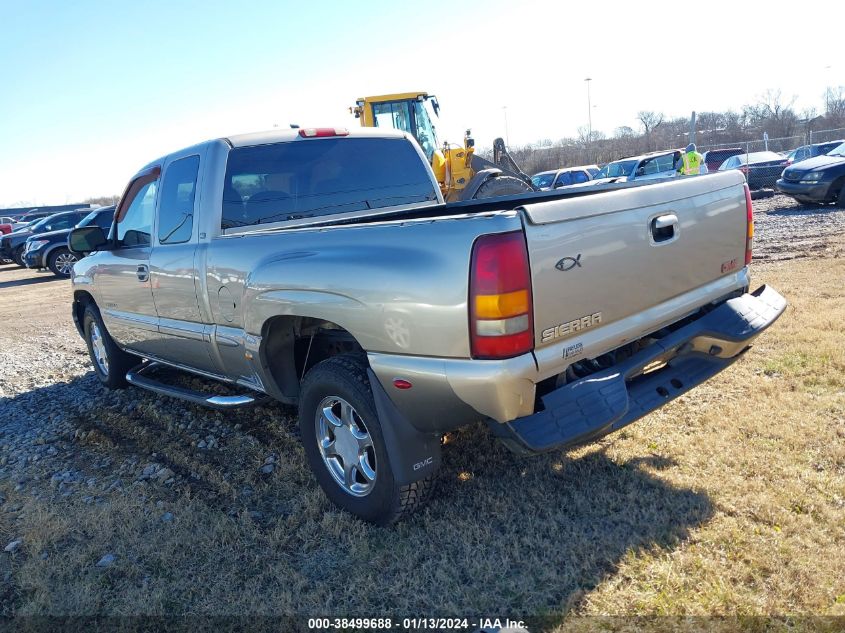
{"type": "Point", "coordinates": [461, 173]}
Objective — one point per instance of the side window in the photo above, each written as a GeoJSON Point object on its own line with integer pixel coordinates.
{"type": "Point", "coordinates": [104, 220]}
{"type": "Point", "coordinates": [579, 177]}
{"type": "Point", "coordinates": [136, 225]}
{"type": "Point", "coordinates": [176, 208]}
{"type": "Point", "coordinates": [563, 179]}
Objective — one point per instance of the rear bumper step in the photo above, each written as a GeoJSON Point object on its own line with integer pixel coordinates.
{"type": "Point", "coordinates": [604, 402]}
{"type": "Point", "coordinates": [138, 378]}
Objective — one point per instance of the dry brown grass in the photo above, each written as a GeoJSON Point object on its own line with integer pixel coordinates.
{"type": "Point", "coordinates": [730, 500]}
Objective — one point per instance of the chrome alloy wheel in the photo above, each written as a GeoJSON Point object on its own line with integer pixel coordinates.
{"type": "Point", "coordinates": [98, 346]}
{"type": "Point", "coordinates": [65, 262]}
{"type": "Point", "coordinates": [346, 446]}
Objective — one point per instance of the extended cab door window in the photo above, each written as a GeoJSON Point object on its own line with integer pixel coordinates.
{"type": "Point", "coordinates": [176, 208]}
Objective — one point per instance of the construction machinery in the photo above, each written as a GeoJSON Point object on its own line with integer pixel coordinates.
{"type": "Point", "coordinates": [461, 173]}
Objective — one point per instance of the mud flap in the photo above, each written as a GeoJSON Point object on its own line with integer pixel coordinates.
{"type": "Point", "coordinates": [413, 455]}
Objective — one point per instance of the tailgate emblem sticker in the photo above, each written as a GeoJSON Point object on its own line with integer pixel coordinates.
{"type": "Point", "coordinates": [568, 263]}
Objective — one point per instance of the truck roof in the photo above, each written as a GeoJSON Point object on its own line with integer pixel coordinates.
{"type": "Point", "coordinates": [276, 136]}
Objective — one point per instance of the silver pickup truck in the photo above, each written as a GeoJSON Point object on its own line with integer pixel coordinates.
{"type": "Point", "coordinates": [321, 268]}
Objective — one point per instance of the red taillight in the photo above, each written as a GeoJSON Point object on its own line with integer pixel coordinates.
{"type": "Point", "coordinates": [749, 225]}
{"type": "Point", "coordinates": [500, 308]}
{"type": "Point", "coordinates": [316, 132]}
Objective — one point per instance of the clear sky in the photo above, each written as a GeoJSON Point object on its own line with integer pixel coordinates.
{"type": "Point", "coordinates": [92, 91]}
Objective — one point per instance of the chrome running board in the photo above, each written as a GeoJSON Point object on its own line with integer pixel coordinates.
{"type": "Point", "coordinates": [136, 377]}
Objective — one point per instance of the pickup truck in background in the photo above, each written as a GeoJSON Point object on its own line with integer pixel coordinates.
{"type": "Point", "coordinates": [323, 269]}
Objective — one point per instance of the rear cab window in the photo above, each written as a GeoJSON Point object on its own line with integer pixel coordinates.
{"type": "Point", "coordinates": [311, 178]}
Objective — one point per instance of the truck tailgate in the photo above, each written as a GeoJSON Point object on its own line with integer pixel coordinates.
{"type": "Point", "coordinates": [599, 259]}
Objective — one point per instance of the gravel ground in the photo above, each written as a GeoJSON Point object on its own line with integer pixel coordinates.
{"type": "Point", "coordinates": [785, 229]}
{"type": "Point", "coordinates": [62, 435]}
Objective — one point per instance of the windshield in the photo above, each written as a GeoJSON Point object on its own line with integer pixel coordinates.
{"type": "Point", "coordinates": [839, 151]}
{"type": "Point", "coordinates": [618, 169]}
{"type": "Point", "coordinates": [87, 219]}
{"type": "Point", "coordinates": [542, 180]}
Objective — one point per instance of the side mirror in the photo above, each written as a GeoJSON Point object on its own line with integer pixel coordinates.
{"type": "Point", "coordinates": [86, 239]}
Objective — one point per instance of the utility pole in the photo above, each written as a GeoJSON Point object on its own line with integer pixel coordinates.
{"type": "Point", "coordinates": [692, 128]}
{"type": "Point", "coordinates": [589, 114]}
{"type": "Point", "coordinates": [507, 136]}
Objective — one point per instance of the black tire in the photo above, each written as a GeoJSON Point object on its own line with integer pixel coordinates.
{"type": "Point", "coordinates": [119, 362]}
{"type": "Point", "coordinates": [56, 260]}
{"type": "Point", "coordinates": [17, 256]}
{"type": "Point", "coordinates": [840, 201]}
{"type": "Point", "coordinates": [501, 186]}
{"type": "Point", "coordinates": [345, 376]}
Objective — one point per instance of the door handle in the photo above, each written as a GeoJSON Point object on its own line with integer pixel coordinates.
{"type": "Point", "coordinates": [663, 221]}
{"type": "Point", "coordinates": [664, 228]}
{"type": "Point", "coordinates": [143, 272]}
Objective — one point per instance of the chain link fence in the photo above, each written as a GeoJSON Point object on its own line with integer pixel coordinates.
{"type": "Point", "coordinates": [762, 159]}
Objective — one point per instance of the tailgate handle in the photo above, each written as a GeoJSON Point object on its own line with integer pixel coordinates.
{"type": "Point", "coordinates": [664, 227]}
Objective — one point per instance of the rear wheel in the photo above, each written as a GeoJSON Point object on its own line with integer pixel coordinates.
{"type": "Point", "coordinates": [501, 186]}
{"type": "Point", "coordinates": [344, 445]}
{"type": "Point", "coordinates": [110, 362]}
{"type": "Point", "coordinates": [61, 262]}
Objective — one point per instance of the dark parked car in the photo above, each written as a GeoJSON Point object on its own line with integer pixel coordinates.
{"type": "Point", "coordinates": [811, 151]}
{"type": "Point", "coordinates": [820, 179]}
{"type": "Point", "coordinates": [49, 250]}
{"type": "Point", "coordinates": [761, 169]}
{"type": "Point", "coordinates": [12, 245]}
{"type": "Point", "coordinates": [715, 157]}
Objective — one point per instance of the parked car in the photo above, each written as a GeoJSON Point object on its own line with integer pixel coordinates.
{"type": "Point", "coordinates": [646, 167]}
{"type": "Point", "coordinates": [5, 228]}
{"type": "Point", "coordinates": [818, 180]}
{"type": "Point", "coordinates": [715, 157]}
{"type": "Point", "coordinates": [50, 250]}
{"type": "Point", "coordinates": [557, 178]}
{"type": "Point", "coordinates": [761, 169]}
{"type": "Point", "coordinates": [285, 266]}
{"type": "Point", "coordinates": [811, 151]}
{"type": "Point", "coordinates": [12, 245]}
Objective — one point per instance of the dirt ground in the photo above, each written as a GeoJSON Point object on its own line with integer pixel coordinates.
{"type": "Point", "coordinates": [729, 500]}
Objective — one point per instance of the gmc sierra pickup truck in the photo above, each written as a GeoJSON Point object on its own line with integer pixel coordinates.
{"type": "Point", "coordinates": [321, 268]}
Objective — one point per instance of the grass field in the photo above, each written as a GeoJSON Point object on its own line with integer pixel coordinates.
{"type": "Point", "coordinates": [730, 500]}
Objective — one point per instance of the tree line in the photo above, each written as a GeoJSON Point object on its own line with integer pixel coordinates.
{"type": "Point", "coordinates": [772, 114]}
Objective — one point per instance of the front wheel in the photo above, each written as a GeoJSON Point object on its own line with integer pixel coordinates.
{"type": "Point", "coordinates": [501, 186]}
{"type": "Point", "coordinates": [345, 447]}
{"type": "Point", "coordinates": [61, 262]}
{"type": "Point", "coordinates": [110, 362]}
{"type": "Point", "coordinates": [17, 257]}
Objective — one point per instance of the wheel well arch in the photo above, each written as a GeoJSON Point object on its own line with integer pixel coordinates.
{"type": "Point", "coordinates": [291, 345]}
{"type": "Point", "coordinates": [81, 299]}
{"type": "Point", "coordinates": [837, 186]}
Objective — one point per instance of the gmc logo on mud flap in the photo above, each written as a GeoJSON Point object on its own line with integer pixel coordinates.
{"type": "Point", "coordinates": [426, 462]}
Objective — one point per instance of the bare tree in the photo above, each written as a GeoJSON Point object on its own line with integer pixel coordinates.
{"type": "Point", "coordinates": [104, 200]}
{"type": "Point", "coordinates": [650, 121]}
{"type": "Point", "coordinates": [834, 105]}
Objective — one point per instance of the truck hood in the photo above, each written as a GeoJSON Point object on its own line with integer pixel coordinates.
{"type": "Point", "coordinates": [52, 234]}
